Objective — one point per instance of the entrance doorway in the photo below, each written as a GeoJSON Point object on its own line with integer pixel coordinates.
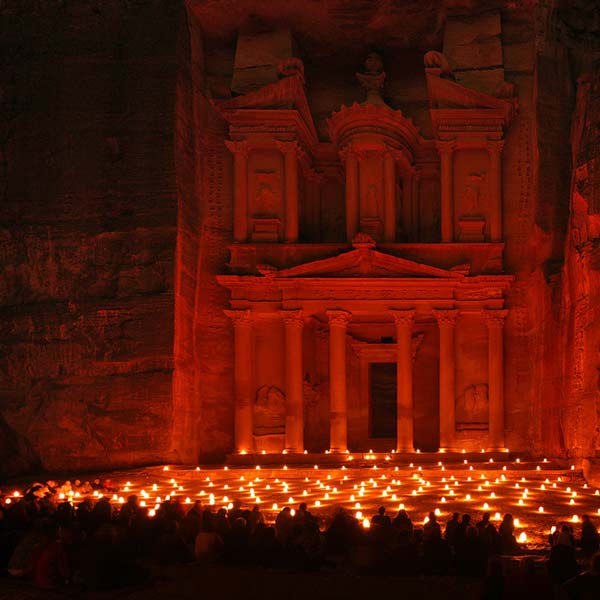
{"type": "Point", "coordinates": [383, 407]}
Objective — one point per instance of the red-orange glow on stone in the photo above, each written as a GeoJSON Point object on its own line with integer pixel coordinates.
{"type": "Point", "coordinates": [489, 487]}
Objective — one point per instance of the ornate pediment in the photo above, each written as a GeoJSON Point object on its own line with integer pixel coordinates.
{"type": "Point", "coordinates": [445, 94]}
{"type": "Point", "coordinates": [287, 93]}
{"type": "Point", "coordinates": [367, 262]}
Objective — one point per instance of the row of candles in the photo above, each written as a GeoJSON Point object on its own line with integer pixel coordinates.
{"type": "Point", "coordinates": [439, 488]}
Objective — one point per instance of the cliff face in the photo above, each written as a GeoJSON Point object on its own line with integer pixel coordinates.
{"type": "Point", "coordinates": [87, 232]}
{"type": "Point", "coordinates": [569, 412]}
{"type": "Point", "coordinates": [580, 306]}
{"type": "Point", "coordinates": [116, 210]}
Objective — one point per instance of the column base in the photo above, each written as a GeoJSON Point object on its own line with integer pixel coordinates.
{"type": "Point", "coordinates": [338, 450]}
{"type": "Point", "coordinates": [293, 451]}
{"type": "Point", "coordinates": [405, 450]}
{"type": "Point", "coordinates": [497, 449]}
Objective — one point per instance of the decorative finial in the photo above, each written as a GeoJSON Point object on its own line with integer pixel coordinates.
{"type": "Point", "coordinates": [372, 79]}
{"type": "Point", "coordinates": [363, 240]}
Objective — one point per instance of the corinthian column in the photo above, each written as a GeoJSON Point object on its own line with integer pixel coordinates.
{"type": "Point", "coordinates": [338, 321]}
{"type": "Point", "coordinates": [495, 323]}
{"type": "Point", "coordinates": [447, 321]}
{"type": "Point", "coordinates": [240, 192]}
{"type": "Point", "coordinates": [389, 189]}
{"type": "Point", "coordinates": [294, 405]}
{"type": "Point", "coordinates": [350, 158]}
{"type": "Point", "coordinates": [446, 150]}
{"type": "Point", "coordinates": [404, 380]}
{"type": "Point", "coordinates": [290, 158]}
{"type": "Point", "coordinates": [495, 153]}
{"type": "Point", "coordinates": [243, 426]}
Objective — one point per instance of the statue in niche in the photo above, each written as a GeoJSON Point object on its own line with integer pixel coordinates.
{"type": "Point", "coordinates": [266, 203]}
{"type": "Point", "coordinates": [472, 194]}
{"type": "Point", "coordinates": [472, 406]}
{"type": "Point", "coordinates": [269, 411]}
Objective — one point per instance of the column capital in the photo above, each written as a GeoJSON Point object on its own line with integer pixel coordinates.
{"type": "Point", "coordinates": [389, 152]}
{"type": "Point", "coordinates": [349, 151]}
{"type": "Point", "coordinates": [292, 318]}
{"type": "Point", "coordinates": [495, 146]}
{"type": "Point", "coordinates": [445, 146]}
{"type": "Point", "coordinates": [403, 317]}
{"type": "Point", "coordinates": [240, 318]}
{"type": "Point", "coordinates": [495, 317]}
{"type": "Point", "coordinates": [446, 317]}
{"type": "Point", "coordinates": [288, 147]}
{"type": "Point", "coordinates": [338, 318]}
{"type": "Point", "coordinates": [238, 147]}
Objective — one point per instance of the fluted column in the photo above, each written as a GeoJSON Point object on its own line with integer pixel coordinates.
{"type": "Point", "coordinates": [290, 158]}
{"type": "Point", "coordinates": [294, 404]}
{"type": "Point", "coordinates": [446, 151]}
{"type": "Point", "coordinates": [240, 192]}
{"type": "Point", "coordinates": [350, 158]}
{"type": "Point", "coordinates": [495, 154]}
{"type": "Point", "coordinates": [404, 380]}
{"type": "Point", "coordinates": [389, 190]}
{"type": "Point", "coordinates": [243, 426]}
{"type": "Point", "coordinates": [447, 322]}
{"type": "Point", "coordinates": [338, 322]}
{"type": "Point", "coordinates": [495, 323]}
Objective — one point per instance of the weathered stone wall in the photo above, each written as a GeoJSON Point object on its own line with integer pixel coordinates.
{"type": "Point", "coordinates": [87, 232]}
{"type": "Point", "coordinates": [580, 307]}
{"type": "Point", "coordinates": [203, 380]}
{"type": "Point", "coordinates": [109, 246]}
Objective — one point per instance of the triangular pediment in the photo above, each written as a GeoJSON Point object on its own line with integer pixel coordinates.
{"type": "Point", "coordinates": [366, 262]}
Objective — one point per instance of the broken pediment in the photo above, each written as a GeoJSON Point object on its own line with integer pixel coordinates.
{"type": "Point", "coordinates": [367, 262]}
{"type": "Point", "coordinates": [445, 93]}
{"type": "Point", "coordinates": [285, 94]}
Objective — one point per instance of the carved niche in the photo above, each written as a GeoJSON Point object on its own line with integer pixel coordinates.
{"type": "Point", "coordinates": [473, 203]}
{"type": "Point", "coordinates": [265, 194]}
{"type": "Point", "coordinates": [269, 411]}
{"type": "Point", "coordinates": [265, 208]}
{"type": "Point", "coordinates": [472, 408]}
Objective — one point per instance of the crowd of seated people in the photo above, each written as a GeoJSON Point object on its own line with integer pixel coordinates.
{"type": "Point", "coordinates": [101, 545]}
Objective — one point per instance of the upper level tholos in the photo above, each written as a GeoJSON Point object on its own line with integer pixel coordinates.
{"type": "Point", "coordinates": [379, 175]}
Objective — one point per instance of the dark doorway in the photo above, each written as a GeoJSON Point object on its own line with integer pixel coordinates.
{"type": "Point", "coordinates": [382, 377]}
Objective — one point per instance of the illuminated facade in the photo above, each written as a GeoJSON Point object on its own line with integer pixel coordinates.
{"type": "Point", "coordinates": [392, 336]}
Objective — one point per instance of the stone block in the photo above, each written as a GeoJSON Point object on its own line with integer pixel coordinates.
{"type": "Point", "coordinates": [257, 56]}
{"type": "Point", "coordinates": [481, 54]}
{"type": "Point", "coordinates": [463, 30]}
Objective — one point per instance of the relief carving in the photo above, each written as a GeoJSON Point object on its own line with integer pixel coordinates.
{"type": "Point", "coordinates": [269, 411]}
{"type": "Point", "coordinates": [472, 407]}
{"type": "Point", "coordinates": [267, 199]}
{"type": "Point", "coordinates": [473, 196]}
{"type": "Point", "coordinates": [472, 221]}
